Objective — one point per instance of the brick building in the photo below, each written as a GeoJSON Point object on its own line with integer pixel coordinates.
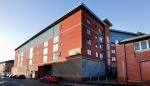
{"type": "Point", "coordinates": [72, 47]}
{"type": "Point", "coordinates": [133, 60]}
{"type": "Point", "coordinates": [5, 66]}
{"type": "Point", "coordinates": [118, 35]}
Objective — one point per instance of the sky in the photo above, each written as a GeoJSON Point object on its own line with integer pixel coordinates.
{"type": "Point", "coordinates": [22, 19]}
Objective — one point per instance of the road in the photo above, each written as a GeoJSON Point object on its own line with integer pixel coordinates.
{"type": "Point", "coordinates": [5, 81]}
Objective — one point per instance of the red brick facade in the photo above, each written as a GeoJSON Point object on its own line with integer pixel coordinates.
{"type": "Point", "coordinates": [72, 44]}
{"type": "Point", "coordinates": [132, 66]}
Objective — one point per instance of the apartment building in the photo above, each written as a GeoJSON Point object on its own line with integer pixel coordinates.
{"type": "Point", "coordinates": [133, 60]}
{"type": "Point", "coordinates": [5, 66]}
{"type": "Point", "coordinates": [118, 35]}
{"type": "Point", "coordinates": [72, 47]}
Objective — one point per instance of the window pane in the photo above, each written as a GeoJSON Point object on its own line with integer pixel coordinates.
{"type": "Point", "coordinates": [88, 32]}
{"type": "Point", "coordinates": [45, 59]}
{"type": "Point", "coordinates": [45, 51]}
{"type": "Point", "coordinates": [136, 46]}
{"type": "Point", "coordinates": [45, 43]}
{"type": "Point", "coordinates": [55, 39]}
{"type": "Point", "coordinates": [113, 58]}
{"type": "Point", "coordinates": [143, 45]}
{"type": "Point", "coordinates": [55, 47]}
{"type": "Point", "coordinates": [149, 43]}
{"type": "Point", "coordinates": [101, 56]}
{"type": "Point", "coordinates": [55, 56]}
{"type": "Point", "coordinates": [89, 41]}
{"type": "Point", "coordinates": [96, 54]}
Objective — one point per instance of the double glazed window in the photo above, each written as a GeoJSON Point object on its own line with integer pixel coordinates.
{"type": "Point", "coordinates": [142, 45]}
{"type": "Point", "coordinates": [88, 31]}
{"type": "Point", "coordinates": [89, 41]}
{"type": "Point", "coordinates": [89, 52]}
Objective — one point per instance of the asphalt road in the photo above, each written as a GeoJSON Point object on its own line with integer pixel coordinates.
{"type": "Point", "coordinates": [5, 81]}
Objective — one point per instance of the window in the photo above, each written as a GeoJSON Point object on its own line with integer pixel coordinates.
{"type": "Point", "coordinates": [21, 64]}
{"type": "Point", "coordinates": [37, 46]}
{"type": "Point", "coordinates": [31, 55]}
{"type": "Point", "coordinates": [22, 54]}
{"type": "Point", "coordinates": [108, 54]}
{"type": "Point", "coordinates": [136, 46]}
{"type": "Point", "coordinates": [101, 48]}
{"type": "Point", "coordinates": [55, 56]}
{"type": "Point", "coordinates": [55, 47]}
{"type": "Point", "coordinates": [96, 36]}
{"type": "Point", "coordinates": [44, 59]}
{"type": "Point", "coordinates": [89, 41]}
{"type": "Point", "coordinates": [113, 51]}
{"type": "Point", "coordinates": [55, 40]}
{"type": "Point", "coordinates": [101, 32]}
{"type": "Point", "coordinates": [31, 50]}
{"type": "Point", "coordinates": [88, 31]}
{"type": "Point", "coordinates": [88, 21]}
{"type": "Point", "coordinates": [89, 52]}
{"type": "Point", "coordinates": [96, 45]}
{"type": "Point", "coordinates": [21, 58]}
{"type": "Point", "coordinates": [101, 56]}
{"type": "Point", "coordinates": [45, 43]}
{"type": "Point", "coordinates": [143, 45]}
{"type": "Point", "coordinates": [149, 43]}
{"type": "Point", "coordinates": [96, 54]}
{"type": "Point", "coordinates": [108, 46]}
{"type": "Point", "coordinates": [30, 62]}
{"type": "Point", "coordinates": [18, 59]}
{"type": "Point", "coordinates": [113, 58]}
{"type": "Point", "coordinates": [18, 64]}
{"type": "Point", "coordinates": [112, 44]}
{"type": "Point", "coordinates": [107, 39]}
{"type": "Point", "coordinates": [109, 62]}
{"type": "Point", "coordinates": [45, 51]}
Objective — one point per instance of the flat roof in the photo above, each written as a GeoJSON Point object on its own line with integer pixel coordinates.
{"type": "Point", "coordinates": [135, 39]}
{"type": "Point", "coordinates": [70, 12]}
{"type": "Point", "coordinates": [127, 32]}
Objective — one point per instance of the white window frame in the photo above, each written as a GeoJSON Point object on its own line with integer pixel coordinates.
{"type": "Point", "coordinates": [113, 51]}
{"type": "Point", "coordinates": [55, 40]}
{"type": "Point", "coordinates": [96, 54]}
{"type": "Point", "coordinates": [55, 56]}
{"type": "Point", "coordinates": [45, 43]}
{"type": "Point", "coordinates": [44, 59]}
{"type": "Point", "coordinates": [55, 47]}
{"type": "Point", "coordinates": [113, 58]}
{"type": "Point", "coordinates": [45, 51]}
{"type": "Point", "coordinates": [89, 52]}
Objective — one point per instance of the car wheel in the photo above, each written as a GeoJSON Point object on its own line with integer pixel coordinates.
{"type": "Point", "coordinates": [48, 81]}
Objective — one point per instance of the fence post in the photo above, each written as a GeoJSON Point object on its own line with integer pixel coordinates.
{"type": "Point", "coordinates": [106, 79]}
{"type": "Point", "coordinates": [90, 78]}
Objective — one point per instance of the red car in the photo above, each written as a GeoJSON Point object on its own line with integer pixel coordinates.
{"type": "Point", "coordinates": [49, 78]}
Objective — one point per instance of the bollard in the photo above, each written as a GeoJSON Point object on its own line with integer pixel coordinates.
{"type": "Point", "coordinates": [106, 79]}
{"type": "Point", "coordinates": [98, 79]}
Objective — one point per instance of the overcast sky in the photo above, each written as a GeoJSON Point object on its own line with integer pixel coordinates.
{"type": "Point", "coordinates": [21, 19]}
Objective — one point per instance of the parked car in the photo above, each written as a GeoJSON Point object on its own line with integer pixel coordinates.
{"type": "Point", "coordinates": [49, 78]}
{"type": "Point", "coordinates": [21, 76]}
